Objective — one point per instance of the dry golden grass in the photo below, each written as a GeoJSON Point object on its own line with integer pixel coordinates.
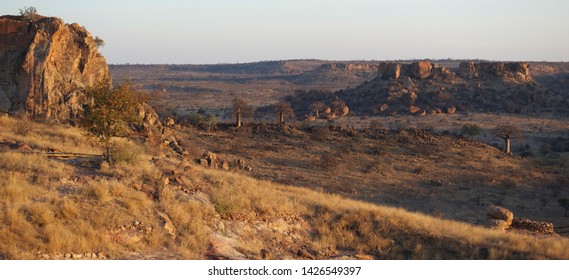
{"type": "Point", "coordinates": [384, 232]}
{"type": "Point", "coordinates": [53, 207]}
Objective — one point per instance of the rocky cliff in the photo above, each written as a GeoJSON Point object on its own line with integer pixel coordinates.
{"type": "Point", "coordinates": [44, 65]}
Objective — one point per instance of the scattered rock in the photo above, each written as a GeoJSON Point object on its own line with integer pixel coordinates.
{"type": "Point", "coordinates": [211, 158]}
{"type": "Point", "coordinates": [224, 165]}
{"type": "Point", "coordinates": [533, 226]}
{"type": "Point", "coordinates": [167, 224]}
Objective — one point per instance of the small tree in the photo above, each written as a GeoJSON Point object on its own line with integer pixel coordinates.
{"type": "Point", "coordinates": [241, 109]}
{"type": "Point", "coordinates": [29, 13]}
{"type": "Point", "coordinates": [338, 107]}
{"type": "Point", "coordinates": [100, 42]}
{"type": "Point", "coordinates": [564, 202]}
{"type": "Point", "coordinates": [318, 107]}
{"type": "Point", "coordinates": [507, 132]}
{"type": "Point", "coordinates": [283, 111]}
{"type": "Point", "coordinates": [111, 111]}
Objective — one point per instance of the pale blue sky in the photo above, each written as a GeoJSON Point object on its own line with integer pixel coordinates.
{"type": "Point", "coordinates": [219, 31]}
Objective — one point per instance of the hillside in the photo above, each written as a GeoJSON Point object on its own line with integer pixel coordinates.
{"type": "Point", "coordinates": [58, 205]}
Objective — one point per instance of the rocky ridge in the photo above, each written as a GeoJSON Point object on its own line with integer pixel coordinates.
{"type": "Point", "coordinates": [423, 87]}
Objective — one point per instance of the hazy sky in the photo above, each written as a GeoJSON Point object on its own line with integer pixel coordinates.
{"type": "Point", "coordinates": [218, 31]}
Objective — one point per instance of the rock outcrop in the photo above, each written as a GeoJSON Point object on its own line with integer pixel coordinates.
{"type": "Point", "coordinates": [45, 64]}
{"type": "Point", "coordinates": [518, 70]}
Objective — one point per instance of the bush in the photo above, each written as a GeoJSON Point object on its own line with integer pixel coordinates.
{"type": "Point", "coordinates": [24, 126]}
{"type": "Point", "coordinates": [126, 152]}
{"type": "Point", "coordinates": [471, 129]}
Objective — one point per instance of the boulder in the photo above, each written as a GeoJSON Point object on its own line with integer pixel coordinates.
{"type": "Point", "coordinates": [345, 111]}
{"type": "Point", "coordinates": [421, 69]}
{"type": "Point", "coordinates": [166, 223]}
{"type": "Point", "coordinates": [414, 109]}
{"type": "Point", "coordinates": [211, 158]}
{"type": "Point", "coordinates": [224, 165]}
{"type": "Point", "coordinates": [500, 213]}
{"type": "Point", "coordinates": [497, 224]}
{"type": "Point", "coordinates": [390, 70]}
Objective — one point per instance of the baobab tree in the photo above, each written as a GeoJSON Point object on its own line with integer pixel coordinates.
{"type": "Point", "coordinates": [241, 109]}
{"type": "Point", "coordinates": [507, 132]}
{"type": "Point", "coordinates": [317, 107]}
{"type": "Point", "coordinates": [283, 111]}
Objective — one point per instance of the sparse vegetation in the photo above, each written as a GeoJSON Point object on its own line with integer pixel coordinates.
{"type": "Point", "coordinates": [284, 111]}
{"type": "Point", "coordinates": [29, 13]}
{"type": "Point", "coordinates": [241, 109]}
{"type": "Point", "coordinates": [471, 129]}
{"type": "Point", "coordinates": [111, 112]}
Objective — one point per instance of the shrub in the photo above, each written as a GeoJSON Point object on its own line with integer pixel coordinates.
{"type": "Point", "coordinates": [471, 129]}
{"type": "Point", "coordinates": [126, 152]}
{"type": "Point", "coordinates": [24, 126]}
{"type": "Point", "coordinates": [29, 13]}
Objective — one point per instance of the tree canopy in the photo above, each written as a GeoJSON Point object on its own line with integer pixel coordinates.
{"type": "Point", "coordinates": [111, 111]}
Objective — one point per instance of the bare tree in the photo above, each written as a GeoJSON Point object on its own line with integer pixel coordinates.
{"type": "Point", "coordinates": [283, 111]}
{"type": "Point", "coordinates": [318, 107]}
{"type": "Point", "coordinates": [241, 109]}
{"type": "Point", "coordinates": [507, 132]}
{"type": "Point", "coordinates": [29, 13]}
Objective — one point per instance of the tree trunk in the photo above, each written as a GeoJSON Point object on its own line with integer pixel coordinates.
{"type": "Point", "coordinates": [507, 145]}
{"type": "Point", "coordinates": [238, 120]}
{"type": "Point", "coordinates": [109, 159]}
{"type": "Point", "coordinates": [317, 113]}
{"type": "Point", "coordinates": [281, 117]}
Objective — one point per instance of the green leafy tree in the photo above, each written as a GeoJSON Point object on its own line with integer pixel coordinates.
{"type": "Point", "coordinates": [111, 111]}
{"type": "Point", "coordinates": [564, 202]}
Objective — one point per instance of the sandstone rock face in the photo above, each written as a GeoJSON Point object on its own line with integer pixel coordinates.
{"type": "Point", "coordinates": [44, 65]}
{"type": "Point", "coordinates": [421, 69]}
